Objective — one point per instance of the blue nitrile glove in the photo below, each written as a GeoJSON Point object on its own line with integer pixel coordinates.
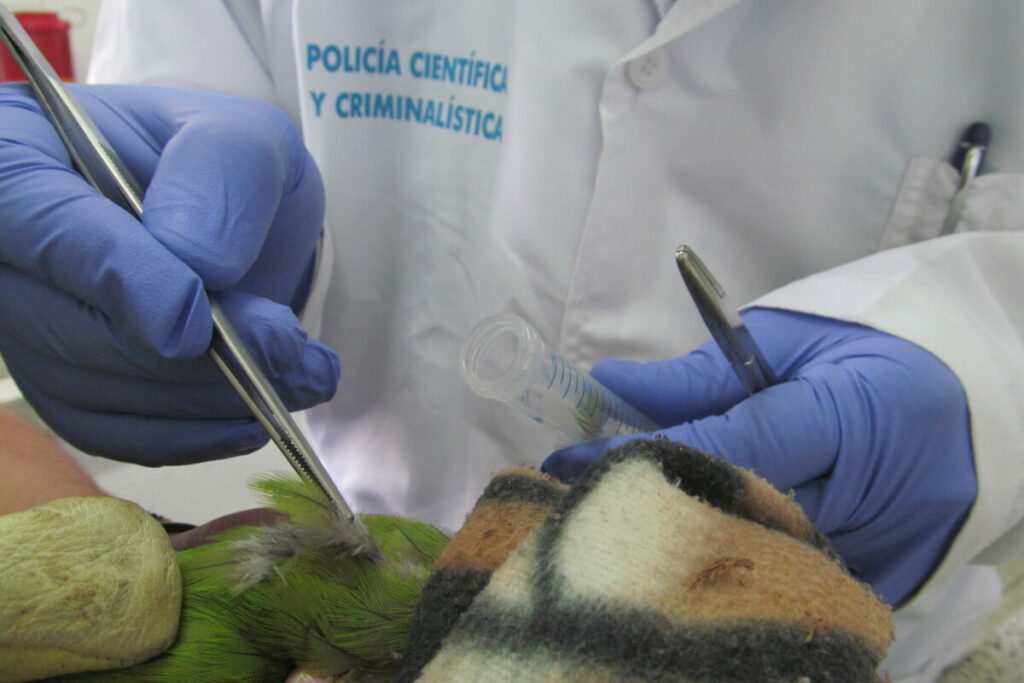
{"type": "Point", "coordinates": [871, 431]}
{"type": "Point", "coordinates": [104, 323]}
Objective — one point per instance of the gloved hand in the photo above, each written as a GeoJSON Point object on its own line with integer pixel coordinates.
{"type": "Point", "coordinates": [870, 431]}
{"type": "Point", "coordinates": [105, 321]}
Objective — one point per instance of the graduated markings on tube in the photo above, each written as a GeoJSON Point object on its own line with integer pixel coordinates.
{"type": "Point", "coordinates": [584, 395]}
{"type": "Point", "coordinates": [573, 379]}
{"type": "Point", "coordinates": [592, 402]}
{"type": "Point", "coordinates": [554, 369]}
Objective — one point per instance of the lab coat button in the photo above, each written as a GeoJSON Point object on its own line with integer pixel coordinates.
{"type": "Point", "coordinates": [648, 71]}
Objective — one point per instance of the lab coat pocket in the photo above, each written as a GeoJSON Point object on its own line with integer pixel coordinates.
{"type": "Point", "coordinates": [994, 201]}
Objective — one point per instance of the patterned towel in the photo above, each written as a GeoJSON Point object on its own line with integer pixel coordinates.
{"type": "Point", "coordinates": [661, 564]}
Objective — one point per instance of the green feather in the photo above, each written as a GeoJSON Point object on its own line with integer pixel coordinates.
{"type": "Point", "coordinates": [329, 611]}
{"type": "Point", "coordinates": [304, 503]}
{"type": "Point", "coordinates": [261, 600]}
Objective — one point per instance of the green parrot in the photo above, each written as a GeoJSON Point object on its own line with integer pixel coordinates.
{"type": "Point", "coordinates": [261, 601]}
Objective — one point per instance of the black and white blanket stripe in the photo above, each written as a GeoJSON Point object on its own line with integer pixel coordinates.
{"type": "Point", "coordinates": [660, 564]}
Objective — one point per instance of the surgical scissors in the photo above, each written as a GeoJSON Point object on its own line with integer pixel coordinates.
{"type": "Point", "coordinates": [97, 161]}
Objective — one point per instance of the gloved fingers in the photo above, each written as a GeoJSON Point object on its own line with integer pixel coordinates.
{"type": "Point", "coordinates": [78, 334]}
{"type": "Point", "coordinates": [231, 189]}
{"type": "Point", "coordinates": [676, 390]}
{"type": "Point", "coordinates": [24, 125]}
{"type": "Point", "coordinates": [151, 441]}
{"type": "Point", "coordinates": [133, 125]}
{"type": "Point", "coordinates": [703, 383]}
{"type": "Point", "coordinates": [568, 464]}
{"type": "Point", "coordinates": [273, 335]}
{"type": "Point", "coordinates": [304, 371]}
{"type": "Point", "coordinates": [233, 182]}
{"type": "Point", "coordinates": [59, 230]}
{"type": "Point", "coordinates": [792, 341]}
{"type": "Point", "coordinates": [312, 382]}
{"type": "Point", "coordinates": [88, 367]}
{"type": "Point", "coordinates": [790, 433]}
{"type": "Point", "coordinates": [283, 269]}
{"type": "Point", "coordinates": [59, 327]}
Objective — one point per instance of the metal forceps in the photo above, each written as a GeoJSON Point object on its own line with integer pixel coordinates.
{"type": "Point", "coordinates": [724, 323]}
{"type": "Point", "coordinates": [97, 161]}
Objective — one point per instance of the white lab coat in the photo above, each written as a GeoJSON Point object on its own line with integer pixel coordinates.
{"type": "Point", "coordinates": [799, 146]}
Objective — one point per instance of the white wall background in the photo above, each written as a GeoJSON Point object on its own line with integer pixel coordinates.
{"type": "Point", "coordinates": [193, 493]}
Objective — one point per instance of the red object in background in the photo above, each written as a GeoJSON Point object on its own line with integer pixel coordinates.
{"type": "Point", "coordinates": [50, 33]}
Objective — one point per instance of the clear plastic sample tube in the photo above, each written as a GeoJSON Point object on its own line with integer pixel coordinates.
{"type": "Point", "coordinates": [504, 358]}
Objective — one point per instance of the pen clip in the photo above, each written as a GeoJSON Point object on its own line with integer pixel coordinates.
{"type": "Point", "coordinates": [724, 323]}
{"type": "Point", "coordinates": [970, 151]}
{"type": "Point", "coordinates": [967, 159]}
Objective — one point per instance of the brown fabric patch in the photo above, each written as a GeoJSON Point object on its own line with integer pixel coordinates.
{"type": "Point", "coordinates": [515, 503]}
{"type": "Point", "coordinates": [764, 504]}
{"type": "Point", "coordinates": [490, 533]}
